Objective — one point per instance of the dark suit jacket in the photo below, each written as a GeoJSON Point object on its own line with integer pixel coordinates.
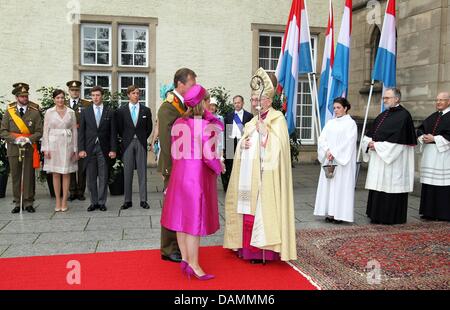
{"type": "Point", "coordinates": [127, 130]}
{"type": "Point", "coordinates": [228, 120]}
{"type": "Point", "coordinates": [106, 132]}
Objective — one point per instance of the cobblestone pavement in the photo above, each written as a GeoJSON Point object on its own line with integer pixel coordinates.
{"type": "Point", "coordinates": [78, 231]}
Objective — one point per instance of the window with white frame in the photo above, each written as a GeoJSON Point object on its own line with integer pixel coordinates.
{"type": "Point", "coordinates": [91, 79]}
{"type": "Point", "coordinates": [115, 52]}
{"type": "Point", "coordinates": [96, 44]}
{"type": "Point", "coordinates": [269, 47]}
{"type": "Point", "coordinates": [304, 121]}
{"type": "Point", "coordinates": [140, 80]}
{"type": "Point", "coordinates": [269, 50]}
{"type": "Point", "coordinates": [133, 46]}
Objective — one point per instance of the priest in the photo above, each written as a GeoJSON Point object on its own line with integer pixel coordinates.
{"type": "Point", "coordinates": [434, 143]}
{"type": "Point", "coordinates": [259, 204]}
{"type": "Point", "coordinates": [389, 148]}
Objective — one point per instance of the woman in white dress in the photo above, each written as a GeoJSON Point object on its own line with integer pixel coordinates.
{"type": "Point", "coordinates": [59, 144]}
{"type": "Point", "coordinates": [337, 145]}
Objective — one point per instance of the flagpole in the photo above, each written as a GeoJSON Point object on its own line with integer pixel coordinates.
{"type": "Point", "coordinates": [365, 120]}
{"type": "Point", "coordinates": [315, 96]}
{"type": "Point", "coordinates": [316, 126]}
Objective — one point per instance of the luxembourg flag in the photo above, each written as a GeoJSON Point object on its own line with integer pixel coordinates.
{"type": "Point", "coordinates": [385, 62]}
{"type": "Point", "coordinates": [295, 58]}
{"type": "Point", "coordinates": [327, 68]}
{"type": "Point", "coordinates": [339, 84]}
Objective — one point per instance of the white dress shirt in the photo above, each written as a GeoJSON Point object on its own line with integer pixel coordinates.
{"type": "Point", "coordinates": [22, 106]}
{"type": "Point", "coordinates": [236, 132]}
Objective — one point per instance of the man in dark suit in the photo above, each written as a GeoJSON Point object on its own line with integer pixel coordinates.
{"type": "Point", "coordinates": [171, 109]}
{"type": "Point", "coordinates": [134, 125]}
{"type": "Point", "coordinates": [97, 142]}
{"type": "Point", "coordinates": [77, 179]}
{"type": "Point", "coordinates": [234, 127]}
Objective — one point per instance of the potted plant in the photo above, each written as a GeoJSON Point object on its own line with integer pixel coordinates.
{"type": "Point", "coordinates": [116, 178]}
{"type": "Point", "coordinates": [116, 175]}
{"type": "Point", "coordinates": [222, 96]}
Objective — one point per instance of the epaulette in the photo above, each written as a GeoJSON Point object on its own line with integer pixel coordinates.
{"type": "Point", "coordinates": [34, 106]}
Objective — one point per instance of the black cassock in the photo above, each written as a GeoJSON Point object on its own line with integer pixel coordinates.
{"type": "Point", "coordinates": [394, 125]}
{"type": "Point", "coordinates": [435, 200]}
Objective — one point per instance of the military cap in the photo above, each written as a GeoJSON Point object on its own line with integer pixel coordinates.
{"type": "Point", "coordinates": [21, 91]}
{"type": "Point", "coordinates": [21, 84]}
{"type": "Point", "coordinates": [74, 84]}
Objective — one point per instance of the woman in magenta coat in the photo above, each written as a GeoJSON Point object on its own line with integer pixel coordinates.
{"type": "Point", "coordinates": [190, 205]}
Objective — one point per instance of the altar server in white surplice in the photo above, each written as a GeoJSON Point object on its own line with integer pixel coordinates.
{"type": "Point", "coordinates": [389, 148]}
{"type": "Point", "coordinates": [337, 146]}
{"type": "Point", "coordinates": [434, 142]}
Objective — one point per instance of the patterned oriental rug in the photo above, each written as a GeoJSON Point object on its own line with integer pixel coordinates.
{"type": "Point", "coordinates": [402, 257]}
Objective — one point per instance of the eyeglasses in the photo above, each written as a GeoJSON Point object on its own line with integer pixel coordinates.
{"type": "Point", "coordinates": [257, 99]}
{"type": "Point", "coordinates": [442, 100]}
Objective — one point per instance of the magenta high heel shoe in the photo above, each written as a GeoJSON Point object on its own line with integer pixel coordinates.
{"type": "Point", "coordinates": [183, 265]}
{"type": "Point", "coordinates": [189, 271]}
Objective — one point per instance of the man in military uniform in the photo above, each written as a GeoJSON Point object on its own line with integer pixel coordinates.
{"type": "Point", "coordinates": [77, 179]}
{"type": "Point", "coordinates": [22, 122]}
{"type": "Point", "coordinates": [171, 109]}
{"type": "Point", "coordinates": [17, 86]}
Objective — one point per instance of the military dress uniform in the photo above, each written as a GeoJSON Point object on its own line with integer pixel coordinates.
{"type": "Point", "coordinates": [77, 185]}
{"type": "Point", "coordinates": [16, 87]}
{"type": "Point", "coordinates": [171, 109]}
{"type": "Point", "coordinates": [22, 122]}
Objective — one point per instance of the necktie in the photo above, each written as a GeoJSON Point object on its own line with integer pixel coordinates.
{"type": "Point", "coordinates": [98, 116]}
{"type": "Point", "coordinates": [21, 112]}
{"type": "Point", "coordinates": [134, 115]}
{"type": "Point", "coordinates": [436, 124]}
{"type": "Point", "coordinates": [74, 104]}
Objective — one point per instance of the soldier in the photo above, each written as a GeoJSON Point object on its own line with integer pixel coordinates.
{"type": "Point", "coordinates": [171, 109]}
{"type": "Point", "coordinates": [22, 122]}
{"type": "Point", "coordinates": [19, 85]}
{"type": "Point", "coordinates": [77, 179]}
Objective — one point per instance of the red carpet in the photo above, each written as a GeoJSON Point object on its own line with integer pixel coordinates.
{"type": "Point", "coordinates": [144, 270]}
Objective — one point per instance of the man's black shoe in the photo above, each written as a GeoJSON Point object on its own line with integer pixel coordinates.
{"type": "Point", "coordinates": [102, 208]}
{"type": "Point", "coordinates": [126, 205]}
{"type": "Point", "coordinates": [174, 257]}
{"type": "Point", "coordinates": [81, 197]}
{"type": "Point", "coordinates": [30, 209]}
{"type": "Point", "coordinates": [92, 208]}
{"type": "Point", "coordinates": [15, 210]}
{"type": "Point", "coordinates": [145, 205]}
{"type": "Point", "coordinates": [72, 197]}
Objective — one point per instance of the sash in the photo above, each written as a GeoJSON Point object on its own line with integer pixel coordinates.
{"type": "Point", "coordinates": [24, 132]}
{"type": "Point", "coordinates": [238, 122]}
{"type": "Point", "coordinates": [177, 106]}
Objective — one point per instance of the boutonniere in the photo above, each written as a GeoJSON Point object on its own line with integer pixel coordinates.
{"type": "Point", "coordinates": [145, 116]}
{"type": "Point", "coordinates": [170, 97]}
{"type": "Point", "coordinates": [30, 123]}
